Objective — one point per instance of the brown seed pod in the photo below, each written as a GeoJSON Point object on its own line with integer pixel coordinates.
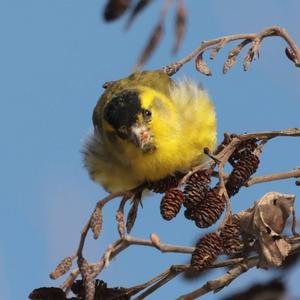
{"type": "Point", "coordinates": [137, 9]}
{"type": "Point", "coordinates": [114, 9]}
{"type": "Point", "coordinates": [96, 222]}
{"type": "Point", "coordinates": [180, 25]}
{"type": "Point", "coordinates": [241, 172]}
{"type": "Point", "coordinates": [151, 45]}
{"type": "Point", "coordinates": [229, 63]}
{"type": "Point", "coordinates": [62, 268]}
{"type": "Point", "coordinates": [207, 250]}
{"type": "Point", "coordinates": [209, 211]}
{"type": "Point", "coordinates": [201, 66]}
{"type": "Point", "coordinates": [171, 203]}
{"type": "Point", "coordinates": [231, 236]}
{"type": "Point", "coordinates": [196, 188]}
{"type": "Point", "coordinates": [290, 54]}
{"type": "Point", "coordinates": [245, 148]}
{"type": "Point", "coordinates": [162, 185]}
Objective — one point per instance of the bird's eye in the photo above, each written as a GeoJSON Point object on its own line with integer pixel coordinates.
{"type": "Point", "coordinates": [147, 113]}
{"type": "Point", "coordinates": [123, 130]}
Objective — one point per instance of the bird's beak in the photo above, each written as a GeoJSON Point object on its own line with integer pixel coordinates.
{"type": "Point", "coordinates": [140, 136]}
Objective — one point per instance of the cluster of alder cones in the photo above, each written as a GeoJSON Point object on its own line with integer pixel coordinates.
{"type": "Point", "coordinates": [204, 204]}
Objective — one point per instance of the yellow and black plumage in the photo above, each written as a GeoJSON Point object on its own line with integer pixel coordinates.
{"type": "Point", "coordinates": [147, 127]}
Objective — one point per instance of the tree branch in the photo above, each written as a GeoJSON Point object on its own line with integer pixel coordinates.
{"type": "Point", "coordinates": [217, 44]}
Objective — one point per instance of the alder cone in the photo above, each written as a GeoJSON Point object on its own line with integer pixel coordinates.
{"type": "Point", "coordinates": [209, 211]}
{"type": "Point", "coordinates": [231, 236]}
{"type": "Point", "coordinates": [171, 203]}
{"type": "Point", "coordinates": [241, 172]}
{"type": "Point", "coordinates": [163, 185]}
{"type": "Point", "coordinates": [244, 149]}
{"type": "Point", "coordinates": [207, 250]}
{"type": "Point", "coordinates": [196, 188]}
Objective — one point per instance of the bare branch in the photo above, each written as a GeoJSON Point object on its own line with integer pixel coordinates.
{"type": "Point", "coordinates": [254, 38]}
{"type": "Point", "coordinates": [222, 281]}
{"type": "Point", "coordinates": [272, 177]}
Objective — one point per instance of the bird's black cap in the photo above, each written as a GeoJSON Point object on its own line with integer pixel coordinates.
{"type": "Point", "coordinates": [122, 110]}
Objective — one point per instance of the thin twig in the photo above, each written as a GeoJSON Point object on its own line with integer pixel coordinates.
{"type": "Point", "coordinates": [86, 228]}
{"type": "Point", "coordinates": [222, 281]}
{"type": "Point", "coordinates": [171, 275]}
{"type": "Point", "coordinates": [120, 245]}
{"type": "Point", "coordinates": [255, 38]}
{"type": "Point", "coordinates": [272, 177]}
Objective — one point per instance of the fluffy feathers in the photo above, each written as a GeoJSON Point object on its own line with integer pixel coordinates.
{"type": "Point", "coordinates": [182, 123]}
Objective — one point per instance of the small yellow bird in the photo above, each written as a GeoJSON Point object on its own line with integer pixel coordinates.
{"type": "Point", "coordinates": [147, 127]}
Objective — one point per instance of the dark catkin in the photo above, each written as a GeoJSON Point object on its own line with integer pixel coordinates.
{"type": "Point", "coordinates": [62, 268]}
{"type": "Point", "coordinates": [210, 210]}
{"type": "Point", "coordinates": [171, 203]}
{"type": "Point", "coordinates": [241, 172]}
{"type": "Point", "coordinates": [231, 236]}
{"type": "Point", "coordinates": [96, 222]}
{"type": "Point", "coordinates": [114, 9]}
{"type": "Point", "coordinates": [85, 271]}
{"type": "Point", "coordinates": [207, 250]}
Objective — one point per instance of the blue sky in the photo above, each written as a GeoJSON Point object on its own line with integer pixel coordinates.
{"type": "Point", "coordinates": [55, 56]}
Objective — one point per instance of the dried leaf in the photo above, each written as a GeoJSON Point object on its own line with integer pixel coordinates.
{"type": "Point", "coordinates": [180, 25]}
{"type": "Point", "coordinates": [115, 9]}
{"type": "Point", "coordinates": [201, 66]}
{"type": "Point", "coordinates": [62, 268]}
{"type": "Point", "coordinates": [137, 9]}
{"type": "Point", "coordinates": [271, 210]}
{"type": "Point", "coordinates": [85, 272]}
{"type": "Point", "coordinates": [266, 220]}
{"type": "Point", "coordinates": [151, 45]}
{"type": "Point", "coordinates": [273, 250]}
{"type": "Point", "coordinates": [96, 222]}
